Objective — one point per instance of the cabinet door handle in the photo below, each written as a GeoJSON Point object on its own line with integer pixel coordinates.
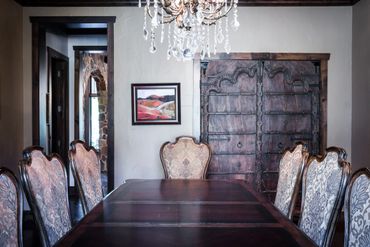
{"type": "Point", "coordinates": [280, 145]}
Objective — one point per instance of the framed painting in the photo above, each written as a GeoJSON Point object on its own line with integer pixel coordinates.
{"type": "Point", "coordinates": [155, 103]}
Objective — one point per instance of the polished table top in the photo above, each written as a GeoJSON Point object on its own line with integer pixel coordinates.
{"type": "Point", "coordinates": [185, 213]}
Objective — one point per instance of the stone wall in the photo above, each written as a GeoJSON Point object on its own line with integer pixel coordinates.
{"type": "Point", "coordinates": [94, 65]}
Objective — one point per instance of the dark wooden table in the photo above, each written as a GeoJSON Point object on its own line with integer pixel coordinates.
{"type": "Point", "coordinates": [185, 213]}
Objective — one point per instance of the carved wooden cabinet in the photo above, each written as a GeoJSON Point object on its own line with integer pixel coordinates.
{"type": "Point", "coordinates": [254, 106]}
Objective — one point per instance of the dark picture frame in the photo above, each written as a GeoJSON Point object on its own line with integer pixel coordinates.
{"type": "Point", "coordinates": [155, 103]}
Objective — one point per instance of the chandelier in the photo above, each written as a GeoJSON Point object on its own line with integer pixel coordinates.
{"type": "Point", "coordinates": [193, 23]}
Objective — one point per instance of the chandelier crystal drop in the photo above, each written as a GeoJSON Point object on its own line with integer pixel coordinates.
{"type": "Point", "coordinates": [193, 23]}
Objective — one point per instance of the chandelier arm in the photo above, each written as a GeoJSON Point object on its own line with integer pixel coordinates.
{"type": "Point", "coordinates": [167, 19]}
{"type": "Point", "coordinates": [219, 8]}
{"type": "Point", "coordinates": [211, 19]}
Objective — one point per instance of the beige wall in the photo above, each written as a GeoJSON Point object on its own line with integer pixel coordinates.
{"type": "Point", "coordinates": [11, 90]}
{"type": "Point", "coordinates": [361, 85]}
{"type": "Point", "coordinates": [290, 29]}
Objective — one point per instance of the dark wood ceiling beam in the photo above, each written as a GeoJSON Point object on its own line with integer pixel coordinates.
{"type": "Point", "coordinates": [97, 3]}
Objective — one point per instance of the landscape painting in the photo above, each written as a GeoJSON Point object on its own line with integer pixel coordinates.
{"type": "Point", "coordinates": [155, 103]}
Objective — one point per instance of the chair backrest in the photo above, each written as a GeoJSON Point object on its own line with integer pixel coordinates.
{"type": "Point", "coordinates": [185, 159]}
{"type": "Point", "coordinates": [324, 183]}
{"type": "Point", "coordinates": [11, 209]}
{"type": "Point", "coordinates": [86, 170]}
{"type": "Point", "coordinates": [357, 210]}
{"type": "Point", "coordinates": [290, 174]}
{"type": "Point", "coordinates": [44, 181]}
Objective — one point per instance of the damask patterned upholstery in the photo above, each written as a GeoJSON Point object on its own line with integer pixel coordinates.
{"type": "Point", "coordinates": [290, 174]}
{"type": "Point", "coordinates": [87, 173]}
{"type": "Point", "coordinates": [324, 184]}
{"type": "Point", "coordinates": [357, 210]}
{"type": "Point", "coordinates": [11, 206]}
{"type": "Point", "coordinates": [45, 183]}
{"type": "Point", "coordinates": [185, 159]}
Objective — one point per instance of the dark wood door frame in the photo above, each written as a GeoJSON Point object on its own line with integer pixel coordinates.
{"type": "Point", "coordinates": [39, 25]}
{"type": "Point", "coordinates": [321, 58]}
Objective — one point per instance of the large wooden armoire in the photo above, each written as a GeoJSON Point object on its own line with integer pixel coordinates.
{"type": "Point", "coordinates": [254, 106]}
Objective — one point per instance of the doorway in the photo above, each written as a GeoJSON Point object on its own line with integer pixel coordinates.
{"type": "Point", "coordinates": [42, 113]}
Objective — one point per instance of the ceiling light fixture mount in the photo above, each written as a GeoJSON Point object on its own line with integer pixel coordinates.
{"type": "Point", "coordinates": [193, 22]}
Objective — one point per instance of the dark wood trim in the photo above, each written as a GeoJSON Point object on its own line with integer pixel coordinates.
{"type": "Point", "coordinates": [37, 41]}
{"type": "Point", "coordinates": [134, 3]}
{"type": "Point", "coordinates": [90, 48]}
{"type": "Point", "coordinates": [77, 95]}
{"type": "Point", "coordinates": [86, 31]}
{"type": "Point", "coordinates": [110, 106]}
{"type": "Point", "coordinates": [323, 104]}
{"type": "Point", "coordinates": [73, 19]}
{"type": "Point", "coordinates": [268, 56]}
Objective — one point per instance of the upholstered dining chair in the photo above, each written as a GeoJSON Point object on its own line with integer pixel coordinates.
{"type": "Point", "coordinates": [11, 209]}
{"type": "Point", "coordinates": [185, 159]}
{"type": "Point", "coordinates": [85, 164]}
{"type": "Point", "coordinates": [291, 168]}
{"type": "Point", "coordinates": [357, 210]}
{"type": "Point", "coordinates": [324, 183]}
{"type": "Point", "coordinates": [44, 181]}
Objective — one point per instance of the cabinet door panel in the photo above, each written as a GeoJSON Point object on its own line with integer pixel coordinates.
{"type": "Point", "coordinates": [287, 103]}
{"type": "Point", "coordinates": [232, 124]}
{"type": "Point", "coordinates": [231, 104]}
{"type": "Point", "coordinates": [277, 143]}
{"type": "Point", "coordinates": [232, 144]}
{"type": "Point", "coordinates": [232, 164]}
{"type": "Point", "coordinates": [287, 123]}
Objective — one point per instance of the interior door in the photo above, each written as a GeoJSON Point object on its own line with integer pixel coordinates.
{"type": "Point", "coordinates": [59, 98]}
{"type": "Point", "coordinates": [290, 113]}
{"type": "Point", "coordinates": [229, 117]}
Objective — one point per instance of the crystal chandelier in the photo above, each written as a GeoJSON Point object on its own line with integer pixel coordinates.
{"type": "Point", "coordinates": [193, 23]}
